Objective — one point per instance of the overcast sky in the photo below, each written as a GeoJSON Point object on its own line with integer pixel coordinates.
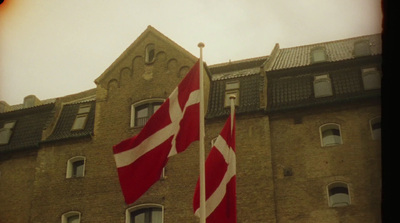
{"type": "Point", "coordinates": [52, 48]}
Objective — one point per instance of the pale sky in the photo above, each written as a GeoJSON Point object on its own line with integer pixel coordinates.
{"type": "Point", "coordinates": [52, 48]}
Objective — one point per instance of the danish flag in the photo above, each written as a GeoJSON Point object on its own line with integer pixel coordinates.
{"type": "Point", "coordinates": [220, 174]}
{"type": "Point", "coordinates": [169, 131]}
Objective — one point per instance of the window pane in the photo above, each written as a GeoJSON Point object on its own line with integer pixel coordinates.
{"type": "Point", "coordinates": [371, 79]}
{"type": "Point", "coordinates": [84, 109]}
{"type": "Point", "coordinates": [73, 219]}
{"type": "Point", "coordinates": [78, 168]}
{"type": "Point", "coordinates": [79, 122]}
{"type": "Point", "coordinates": [156, 215]}
{"type": "Point", "coordinates": [322, 88]}
{"type": "Point", "coordinates": [142, 112]}
{"type": "Point", "coordinates": [139, 218]}
{"type": "Point", "coordinates": [318, 55]}
{"type": "Point", "coordinates": [230, 86]}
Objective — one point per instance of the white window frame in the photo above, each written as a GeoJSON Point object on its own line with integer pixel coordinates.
{"type": "Point", "coordinates": [141, 206]}
{"type": "Point", "coordinates": [140, 103]}
{"type": "Point", "coordinates": [344, 197]}
{"type": "Point", "coordinates": [330, 126]}
{"type": "Point", "coordinates": [70, 166]}
{"type": "Point", "coordinates": [375, 132]}
{"type": "Point", "coordinates": [65, 216]}
{"type": "Point", "coordinates": [322, 86]}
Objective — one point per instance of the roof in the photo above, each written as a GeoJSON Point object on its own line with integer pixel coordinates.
{"type": "Point", "coordinates": [62, 130]}
{"type": "Point", "coordinates": [297, 91]}
{"type": "Point", "coordinates": [247, 72]}
{"type": "Point", "coordinates": [336, 51]}
{"type": "Point", "coordinates": [30, 122]}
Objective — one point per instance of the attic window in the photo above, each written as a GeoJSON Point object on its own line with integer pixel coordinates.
{"type": "Point", "coordinates": [362, 48]}
{"type": "Point", "coordinates": [322, 86]}
{"type": "Point", "coordinates": [81, 117]}
{"type": "Point", "coordinates": [150, 53]}
{"type": "Point", "coordinates": [371, 78]}
{"type": "Point", "coordinates": [6, 132]}
{"type": "Point", "coordinates": [318, 55]}
{"type": "Point", "coordinates": [231, 88]}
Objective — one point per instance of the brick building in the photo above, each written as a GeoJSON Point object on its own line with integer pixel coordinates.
{"type": "Point", "coordinates": [307, 137]}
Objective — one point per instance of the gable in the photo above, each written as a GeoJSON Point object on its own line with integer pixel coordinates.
{"type": "Point", "coordinates": [131, 65]}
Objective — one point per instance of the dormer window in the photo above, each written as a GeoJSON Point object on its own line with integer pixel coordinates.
{"type": "Point", "coordinates": [362, 48]}
{"type": "Point", "coordinates": [371, 78]}
{"type": "Point", "coordinates": [322, 86]}
{"type": "Point", "coordinates": [81, 117]}
{"type": "Point", "coordinates": [150, 53]}
{"type": "Point", "coordinates": [6, 132]}
{"type": "Point", "coordinates": [231, 88]}
{"type": "Point", "coordinates": [318, 55]}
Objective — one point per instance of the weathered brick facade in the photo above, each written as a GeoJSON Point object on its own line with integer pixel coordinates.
{"type": "Point", "coordinates": [283, 171]}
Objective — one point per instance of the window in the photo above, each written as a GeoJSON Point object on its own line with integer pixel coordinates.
{"type": "Point", "coordinates": [361, 48]}
{"type": "Point", "coordinates": [6, 132]}
{"type": "Point", "coordinates": [76, 167]}
{"type": "Point", "coordinates": [141, 112]}
{"type": "Point", "coordinates": [148, 213]}
{"type": "Point", "coordinates": [375, 125]}
{"type": "Point", "coordinates": [81, 117]}
{"type": "Point", "coordinates": [150, 53]}
{"type": "Point", "coordinates": [322, 86]}
{"type": "Point", "coordinates": [330, 135]}
{"type": "Point", "coordinates": [231, 88]}
{"type": "Point", "coordinates": [318, 55]}
{"type": "Point", "coordinates": [71, 217]}
{"type": "Point", "coordinates": [371, 78]}
{"type": "Point", "coordinates": [338, 193]}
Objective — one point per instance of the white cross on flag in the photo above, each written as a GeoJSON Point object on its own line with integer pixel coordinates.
{"type": "Point", "coordinates": [170, 130]}
{"type": "Point", "coordinates": [220, 174]}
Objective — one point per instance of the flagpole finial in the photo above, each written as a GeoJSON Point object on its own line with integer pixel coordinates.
{"type": "Point", "coordinates": [232, 96]}
{"type": "Point", "coordinates": [200, 45]}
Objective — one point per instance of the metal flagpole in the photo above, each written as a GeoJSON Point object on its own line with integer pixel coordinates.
{"type": "Point", "coordinates": [201, 140]}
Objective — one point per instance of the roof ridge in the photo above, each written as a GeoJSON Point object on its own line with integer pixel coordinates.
{"type": "Point", "coordinates": [238, 61]}
{"type": "Point", "coordinates": [332, 41]}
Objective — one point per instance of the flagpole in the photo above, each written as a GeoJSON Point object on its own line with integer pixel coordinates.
{"type": "Point", "coordinates": [201, 141]}
{"type": "Point", "coordinates": [232, 97]}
